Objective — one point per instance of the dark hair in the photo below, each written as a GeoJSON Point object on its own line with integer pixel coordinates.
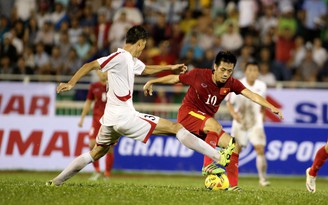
{"type": "Point", "coordinates": [251, 63]}
{"type": "Point", "coordinates": [225, 56]}
{"type": "Point", "coordinates": [135, 34]}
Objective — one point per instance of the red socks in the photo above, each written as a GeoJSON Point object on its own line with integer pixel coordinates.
{"type": "Point", "coordinates": [319, 160]}
{"type": "Point", "coordinates": [212, 139]}
{"type": "Point", "coordinates": [109, 163]}
{"type": "Point", "coordinates": [232, 170]}
{"type": "Point", "coordinates": [96, 166]}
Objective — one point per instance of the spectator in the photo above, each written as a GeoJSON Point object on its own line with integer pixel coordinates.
{"type": "Point", "coordinates": [5, 65]}
{"type": "Point", "coordinates": [41, 59]}
{"type": "Point", "coordinates": [299, 51]}
{"type": "Point", "coordinates": [173, 9]}
{"type": "Point", "coordinates": [22, 68]}
{"type": "Point", "coordinates": [102, 32]}
{"type": "Point", "coordinates": [247, 15]}
{"type": "Point", "coordinates": [16, 42]}
{"type": "Point", "coordinates": [187, 22]}
{"type": "Point", "coordinates": [323, 73]}
{"type": "Point", "coordinates": [4, 27]}
{"type": "Point", "coordinates": [133, 14]}
{"type": "Point", "coordinates": [107, 9]}
{"type": "Point", "coordinates": [58, 15]}
{"type": "Point", "coordinates": [118, 31]}
{"type": "Point", "coordinates": [192, 43]}
{"type": "Point", "coordinates": [74, 31]}
{"type": "Point", "coordinates": [266, 76]}
{"type": "Point", "coordinates": [46, 36]}
{"type": "Point", "coordinates": [308, 69]}
{"type": "Point", "coordinates": [7, 49]}
{"type": "Point", "coordinates": [31, 31]}
{"type": "Point", "coordinates": [160, 30]}
{"type": "Point", "coordinates": [267, 21]}
{"type": "Point", "coordinates": [29, 59]}
{"type": "Point", "coordinates": [25, 8]}
{"type": "Point", "coordinates": [244, 57]}
{"type": "Point", "coordinates": [82, 47]}
{"type": "Point", "coordinates": [319, 52]}
{"type": "Point", "coordinates": [72, 63]}
{"type": "Point", "coordinates": [56, 61]}
{"type": "Point", "coordinates": [232, 40]}
{"type": "Point", "coordinates": [89, 19]}
{"type": "Point", "coordinates": [315, 13]}
{"type": "Point", "coordinates": [42, 15]}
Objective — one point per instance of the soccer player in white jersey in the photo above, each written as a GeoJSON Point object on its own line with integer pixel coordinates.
{"type": "Point", "coordinates": [120, 117]}
{"type": "Point", "coordinates": [248, 117]}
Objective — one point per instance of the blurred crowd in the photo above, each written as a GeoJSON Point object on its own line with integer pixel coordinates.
{"type": "Point", "coordinates": [288, 38]}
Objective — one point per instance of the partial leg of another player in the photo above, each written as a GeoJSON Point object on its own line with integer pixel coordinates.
{"type": "Point", "coordinates": [311, 172]}
{"type": "Point", "coordinates": [109, 162]}
{"type": "Point", "coordinates": [261, 165]}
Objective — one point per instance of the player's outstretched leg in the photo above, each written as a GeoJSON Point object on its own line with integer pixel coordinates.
{"type": "Point", "coordinates": [310, 181]}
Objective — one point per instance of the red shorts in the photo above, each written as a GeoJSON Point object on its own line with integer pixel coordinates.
{"type": "Point", "coordinates": [94, 130]}
{"type": "Point", "coordinates": [193, 120]}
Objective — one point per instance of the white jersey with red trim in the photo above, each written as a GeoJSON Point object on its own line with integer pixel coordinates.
{"type": "Point", "coordinates": [121, 69]}
{"type": "Point", "coordinates": [251, 114]}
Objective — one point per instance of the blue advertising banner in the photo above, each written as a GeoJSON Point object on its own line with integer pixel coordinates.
{"type": "Point", "coordinates": [290, 150]}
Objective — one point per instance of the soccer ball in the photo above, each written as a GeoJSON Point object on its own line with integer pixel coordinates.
{"type": "Point", "coordinates": [216, 182]}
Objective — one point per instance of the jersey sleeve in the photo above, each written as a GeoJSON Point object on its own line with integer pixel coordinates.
{"type": "Point", "coordinates": [237, 86]}
{"type": "Point", "coordinates": [109, 62]}
{"type": "Point", "coordinates": [90, 95]}
{"type": "Point", "coordinates": [188, 77]}
{"type": "Point", "coordinates": [139, 67]}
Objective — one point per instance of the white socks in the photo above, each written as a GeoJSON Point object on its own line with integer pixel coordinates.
{"type": "Point", "coordinates": [73, 168]}
{"type": "Point", "coordinates": [192, 142]}
{"type": "Point", "coordinates": [261, 166]}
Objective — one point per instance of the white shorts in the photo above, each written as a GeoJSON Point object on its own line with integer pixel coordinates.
{"type": "Point", "coordinates": [138, 126]}
{"type": "Point", "coordinates": [255, 135]}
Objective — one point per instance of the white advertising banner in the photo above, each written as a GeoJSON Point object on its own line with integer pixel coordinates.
{"type": "Point", "coordinates": [41, 143]}
{"type": "Point", "coordinates": [27, 99]}
{"type": "Point", "coordinates": [301, 105]}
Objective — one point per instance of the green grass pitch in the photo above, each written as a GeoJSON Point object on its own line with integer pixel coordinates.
{"type": "Point", "coordinates": [23, 188]}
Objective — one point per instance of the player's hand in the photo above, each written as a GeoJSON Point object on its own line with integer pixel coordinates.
{"type": "Point", "coordinates": [148, 89]}
{"type": "Point", "coordinates": [80, 123]}
{"type": "Point", "coordinates": [64, 87]}
{"type": "Point", "coordinates": [277, 112]}
{"type": "Point", "coordinates": [179, 68]}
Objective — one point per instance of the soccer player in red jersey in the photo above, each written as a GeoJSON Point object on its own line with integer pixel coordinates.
{"type": "Point", "coordinates": [97, 93]}
{"type": "Point", "coordinates": [311, 172]}
{"type": "Point", "coordinates": [207, 89]}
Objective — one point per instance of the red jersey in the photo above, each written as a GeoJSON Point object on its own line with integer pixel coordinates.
{"type": "Point", "coordinates": [97, 93]}
{"type": "Point", "coordinates": [203, 94]}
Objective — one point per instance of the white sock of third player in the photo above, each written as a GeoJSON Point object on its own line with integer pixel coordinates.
{"type": "Point", "coordinates": [261, 166]}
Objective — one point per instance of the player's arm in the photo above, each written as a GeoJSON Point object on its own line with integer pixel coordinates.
{"type": "Point", "coordinates": [153, 69]}
{"type": "Point", "coordinates": [169, 79]}
{"type": "Point", "coordinates": [261, 101]}
{"type": "Point", "coordinates": [85, 111]}
{"type": "Point", "coordinates": [84, 70]}
{"type": "Point", "coordinates": [235, 115]}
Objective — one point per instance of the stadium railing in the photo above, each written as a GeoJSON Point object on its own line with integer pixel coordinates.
{"type": "Point", "coordinates": [71, 103]}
